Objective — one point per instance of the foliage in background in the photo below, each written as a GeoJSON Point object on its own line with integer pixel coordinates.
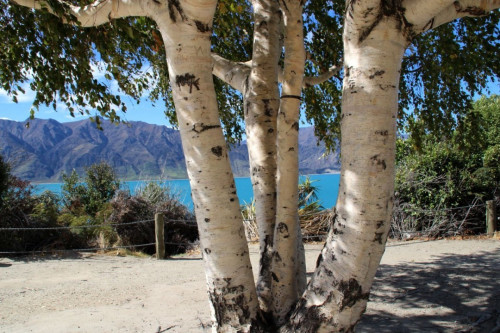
{"type": "Point", "coordinates": [21, 208]}
{"type": "Point", "coordinates": [308, 197]}
{"type": "Point", "coordinates": [437, 175]}
{"type": "Point", "coordinates": [4, 179]}
{"type": "Point", "coordinates": [96, 213]}
{"type": "Point", "coordinates": [180, 227]}
{"type": "Point", "coordinates": [312, 221]}
{"type": "Point", "coordinates": [98, 187]}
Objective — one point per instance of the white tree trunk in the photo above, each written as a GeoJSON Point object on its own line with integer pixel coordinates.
{"type": "Point", "coordinates": [261, 100]}
{"type": "Point", "coordinates": [288, 265]}
{"type": "Point", "coordinates": [338, 292]}
{"type": "Point", "coordinates": [186, 33]}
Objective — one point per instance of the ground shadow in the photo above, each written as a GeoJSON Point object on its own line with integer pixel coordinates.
{"type": "Point", "coordinates": [49, 255]}
{"type": "Point", "coordinates": [454, 293]}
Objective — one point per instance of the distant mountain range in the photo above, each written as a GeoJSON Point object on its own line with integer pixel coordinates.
{"type": "Point", "coordinates": [138, 151]}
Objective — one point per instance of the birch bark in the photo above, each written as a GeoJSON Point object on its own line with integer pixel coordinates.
{"type": "Point", "coordinates": [261, 100]}
{"type": "Point", "coordinates": [288, 265]}
{"type": "Point", "coordinates": [376, 34]}
{"type": "Point", "coordinates": [185, 27]}
{"type": "Point", "coordinates": [228, 270]}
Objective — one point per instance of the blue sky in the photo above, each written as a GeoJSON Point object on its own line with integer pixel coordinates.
{"type": "Point", "coordinates": [144, 111]}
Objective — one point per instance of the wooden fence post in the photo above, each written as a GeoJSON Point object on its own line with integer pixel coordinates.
{"type": "Point", "coordinates": [491, 218]}
{"type": "Point", "coordinates": [159, 236]}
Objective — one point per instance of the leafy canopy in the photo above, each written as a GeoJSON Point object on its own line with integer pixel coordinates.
{"type": "Point", "coordinates": [442, 71]}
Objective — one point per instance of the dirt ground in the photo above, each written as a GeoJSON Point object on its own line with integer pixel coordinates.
{"type": "Point", "coordinates": [421, 286]}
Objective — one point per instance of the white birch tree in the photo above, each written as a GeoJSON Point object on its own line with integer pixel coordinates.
{"type": "Point", "coordinates": [376, 35]}
{"type": "Point", "coordinates": [185, 28]}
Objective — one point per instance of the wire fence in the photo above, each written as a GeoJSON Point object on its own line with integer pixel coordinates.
{"type": "Point", "coordinates": [315, 227]}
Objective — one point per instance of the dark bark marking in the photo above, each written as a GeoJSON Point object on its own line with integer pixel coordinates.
{"type": "Point", "coordinates": [380, 224]}
{"type": "Point", "coordinates": [351, 293]}
{"type": "Point", "coordinates": [265, 259]}
{"type": "Point", "coordinates": [383, 133]}
{"type": "Point", "coordinates": [284, 5]}
{"type": "Point", "coordinates": [207, 220]}
{"type": "Point", "coordinates": [175, 5]}
{"type": "Point", "coordinates": [202, 27]}
{"type": "Point", "coordinates": [308, 318]}
{"type": "Point", "coordinates": [319, 260]}
{"type": "Point", "coordinates": [188, 80]}
{"type": "Point", "coordinates": [283, 229]}
{"type": "Point", "coordinates": [198, 128]}
{"type": "Point", "coordinates": [378, 162]}
{"type": "Point", "coordinates": [291, 149]}
{"type": "Point", "coordinates": [377, 73]}
{"type": "Point", "coordinates": [232, 199]}
{"type": "Point", "coordinates": [295, 126]}
{"type": "Point", "coordinates": [393, 9]}
{"type": "Point", "coordinates": [378, 237]}
{"type": "Point", "coordinates": [292, 96]}
{"type": "Point", "coordinates": [472, 10]}
{"type": "Point", "coordinates": [268, 111]}
{"type": "Point", "coordinates": [208, 251]}
{"type": "Point", "coordinates": [429, 25]}
{"type": "Point", "coordinates": [223, 306]}
{"type": "Point", "coordinates": [271, 130]}
{"type": "Point", "coordinates": [277, 257]}
{"type": "Point", "coordinates": [217, 151]}
{"type": "Point", "coordinates": [275, 277]}
{"type": "Point", "coordinates": [328, 272]}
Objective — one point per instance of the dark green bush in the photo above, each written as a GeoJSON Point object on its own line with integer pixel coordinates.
{"type": "Point", "coordinates": [436, 180]}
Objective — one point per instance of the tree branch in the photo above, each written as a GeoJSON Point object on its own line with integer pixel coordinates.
{"type": "Point", "coordinates": [97, 13]}
{"type": "Point", "coordinates": [233, 73]}
{"type": "Point", "coordinates": [419, 12]}
{"type": "Point", "coordinates": [458, 9]}
{"type": "Point", "coordinates": [310, 81]}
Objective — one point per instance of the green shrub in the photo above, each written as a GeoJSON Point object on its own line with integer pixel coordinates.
{"type": "Point", "coordinates": [437, 178]}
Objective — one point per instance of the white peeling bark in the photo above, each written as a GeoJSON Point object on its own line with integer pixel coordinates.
{"type": "Point", "coordinates": [425, 15]}
{"type": "Point", "coordinates": [261, 100]}
{"type": "Point", "coordinates": [338, 292]}
{"type": "Point", "coordinates": [457, 10]}
{"type": "Point", "coordinates": [186, 32]}
{"type": "Point", "coordinates": [96, 13]}
{"type": "Point", "coordinates": [375, 38]}
{"type": "Point", "coordinates": [288, 265]}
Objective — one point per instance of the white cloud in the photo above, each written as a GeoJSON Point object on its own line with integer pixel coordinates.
{"type": "Point", "coordinates": [4, 118]}
{"type": "Point", "coordinates": [98, 70]}
{"type": "Point", "coordinates": [27, 97]}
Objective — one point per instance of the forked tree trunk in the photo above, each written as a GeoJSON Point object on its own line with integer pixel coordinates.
{"type": "Point", "coordinates": [338, 291]}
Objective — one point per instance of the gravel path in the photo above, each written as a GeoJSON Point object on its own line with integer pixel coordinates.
{"type": "Point", "coordinates": [435, 286]}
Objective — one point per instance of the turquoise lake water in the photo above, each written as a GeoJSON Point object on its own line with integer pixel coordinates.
{"type": "Point", "coordinates": [327, 184]}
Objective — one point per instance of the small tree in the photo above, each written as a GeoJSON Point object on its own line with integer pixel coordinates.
{"type": "Point", "coordinates": [99, 186]}
{"type": "Point", "coordinates": [101, 183]}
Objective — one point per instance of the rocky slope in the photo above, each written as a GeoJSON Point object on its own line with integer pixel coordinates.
{"type": "Point", "coordinates": [47, 148]}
